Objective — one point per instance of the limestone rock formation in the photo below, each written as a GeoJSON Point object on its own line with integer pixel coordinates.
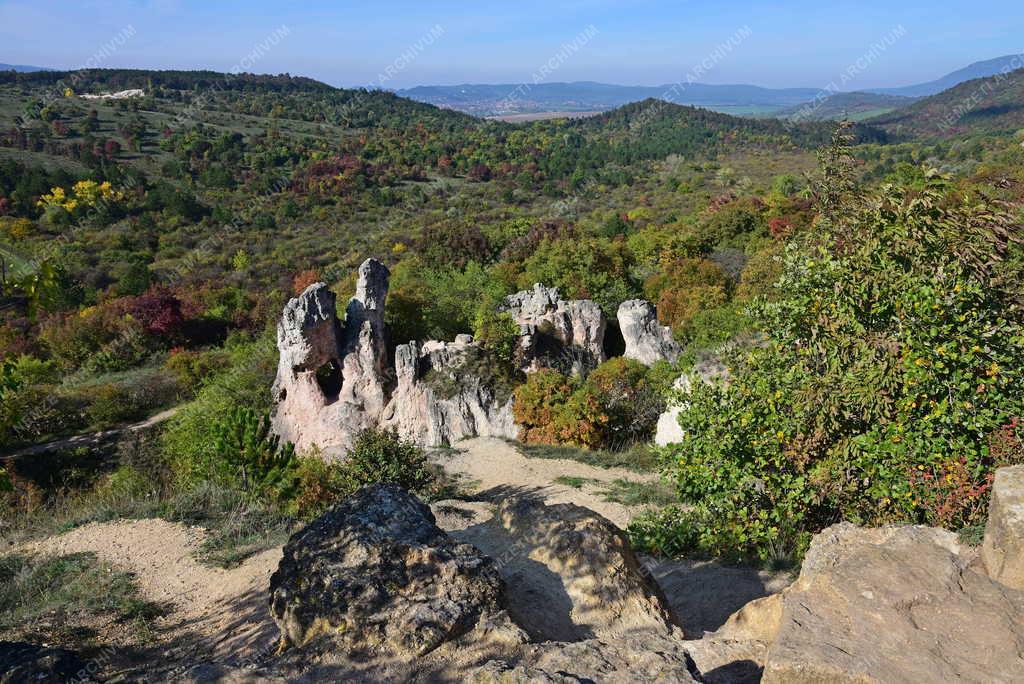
{"type": "Point", "coordinates": [374, 576]}
{"type": "Point", "coordinates": [647, 341]}
{"type": "Point", "coordinates": [440, 399]}
{"type": "Point", "coordinates": [1002, 552]}
{"type": "Point", "coordinates": [331, 376]}
{"type": "Point", "coordinates": [364, 350]}
{"type": "Point", "coordinates": [891, 604]}
{"type": "Point", "coordinates": [556, 332]}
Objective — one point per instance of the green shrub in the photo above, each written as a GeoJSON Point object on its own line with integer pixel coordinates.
{"type": "Point", "coordinates": [10, 415]}
{"type": "Point", "coordinates": [894, 355]}
{"type": "Point", "coordinates": [586, 268]}
{"type": "Point", "coordinates": [383, 456]}
{"type": "Point", "coordinates": [708, 330]}
{"type": "Point", "coordinates": [193, 368]}
{"type": "Point", "coordinates": [126, 351]}
{"type": "Point", "coordinates": [630, 402]}
{"type": "Point", "coordinates": [615, 407]}
{"type": "Point", "coordinates": [41, 411]}
{"type": "Point", "coordinates": [247, 452]}
{"type": "Point", "coordinates": [128, 482]}
{"type": "Point", "coordinates": [375, 456]}
{"type": "Point", "coordinates": [189, 437]}
{"type": "Point", "coordinates": [498, 333]}
{"type": "Point", "coordinates": [111, 404]}
{"type": "Point", "coordinates": [132, 398]}
{"type": "Point", "coordinates": [319, 484]}
{"type": "Point", "coordinates": [28, 370]}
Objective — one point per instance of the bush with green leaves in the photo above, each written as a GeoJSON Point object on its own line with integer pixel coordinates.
{"type": "Point", "coordinates": [498, 333]}
{"type": "Point", "coordinates": [615, 407]}
{"type": "Point", "coordinates": [894, 352]}
{"type": "Point", "coordinates": [383, 456]}
{"type": "Point", "coordinates": [9, 384]}
{"type": "Point", "coordinates": [584, 268]}
{"type": "Point", "coordinates": [192, 368]}
{"type": "Point", "coordinates": [375, 456]}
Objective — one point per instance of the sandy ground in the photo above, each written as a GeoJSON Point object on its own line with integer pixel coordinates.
{"type": "Point", "coordinates": [493, 468]}
{"type": "Point", "coordinates": [212, 612]}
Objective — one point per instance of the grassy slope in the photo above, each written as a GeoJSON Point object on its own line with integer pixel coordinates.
{"type": "Point", "coordinates": [855, 106]}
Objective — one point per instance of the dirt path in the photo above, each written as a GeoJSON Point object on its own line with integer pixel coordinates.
{"type": "Point", "coordinates": [496, 468]}
{"type": "Point", "coordinates": [90, 438]}
{"type": "Point", "coordinates": [216, 612]}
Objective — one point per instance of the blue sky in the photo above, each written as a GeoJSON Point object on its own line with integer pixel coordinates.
{"type": "Point", "coordinates": [647, 42]}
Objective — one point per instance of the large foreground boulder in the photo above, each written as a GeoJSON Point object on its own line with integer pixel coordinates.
{"type": "Point", "coordinates": [1003, 549]}
{"type": "Point", "coordinates": [568, 334]}
{"type": "Point", "coordinates": [601, 586]}
{"type": "Point", "coordinates": [891, 604]}
{"type": "Point", "coordinates": [647, 340]}
{"type": "Point", "coordinates": [374, 576]}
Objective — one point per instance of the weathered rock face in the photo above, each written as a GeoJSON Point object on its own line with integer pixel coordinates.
{"type": "Point", "coordinates": [364, 350]}
{"type": "Point", "coordinates": [374, 576]}
{"type": "Point", "coordinates": [439, 400]}
{"type": "Point", "coordinates": [650, 658]}
{"type": "Point", "coordinates": [607, 591]}
{"type": "Point", "coordinates": [569, 334]}
{"type": "Point", "coordinates": [892, 604]}
{"type": "Point", "coordinates": [1003, 549]}
{"type": "Point", "coordinates": [647, 341]}
{"type": "Point", "coordinates": [333, 378]}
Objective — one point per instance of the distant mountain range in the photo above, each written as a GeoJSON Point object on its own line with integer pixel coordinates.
{"type": "Point", "coordinates": [989, 67]}
{"type": "Point", "coordinates": [510, 98]}
{"type": "Point", "coordinates": [21, 67]}
{"type": "Point", "coordinates": [580, 96]}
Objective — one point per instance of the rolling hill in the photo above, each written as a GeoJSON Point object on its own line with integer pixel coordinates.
{"type": "Point", "coordinates": [20, 67]}
{"type": "Point", "coordinates": [589, 96]}
{"type": "Point", "coordinates": [994, 104]}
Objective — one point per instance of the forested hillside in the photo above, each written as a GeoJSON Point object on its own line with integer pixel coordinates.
{"type": "Point", "coordinates": [994, 104]}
